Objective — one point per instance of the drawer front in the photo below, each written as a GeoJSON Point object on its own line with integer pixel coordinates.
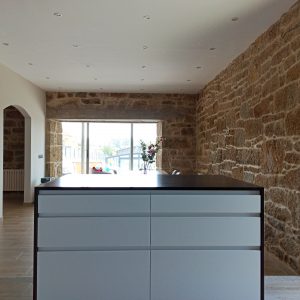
{"type": "Point", "coordinates": [92, 275]}
{"type": "Point", "coordinates": [205, 231]}
{"type": "Point", "coordinates": [205, 275]}
{"type": "Point", "coordinates": [93, 232]}
{"type": "Point", "coordinates": [93, 204]}
{"type": "Point", "coordinates": [204, 203]}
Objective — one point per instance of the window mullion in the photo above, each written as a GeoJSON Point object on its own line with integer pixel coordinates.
{"type": "Point", "coordinates": [131, 146]}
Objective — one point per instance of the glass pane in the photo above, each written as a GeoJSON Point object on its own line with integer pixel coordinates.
{"type": "Point", "coordinates": [109, 147]}
{"type": "Point", "coordinates": [72, 148]}
{"type": "Point", "coordinates": [146, 132]}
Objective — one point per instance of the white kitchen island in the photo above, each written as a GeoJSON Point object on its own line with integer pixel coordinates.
{"type": "Point", "coordinates": [148, 238]}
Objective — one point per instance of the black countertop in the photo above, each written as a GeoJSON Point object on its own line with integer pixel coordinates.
{"type": "Point", "coordinates": [153, 182]}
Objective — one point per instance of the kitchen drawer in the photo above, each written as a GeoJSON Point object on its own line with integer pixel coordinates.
{"type": "Point", "coordinates": [205, 231]}
{"type": "Point", "coordinates": [102, 204]}
{"type": "Point", "coordinates": [193, 202]}
{"type": "Point", "coordinates": [93, 275]}
{"type": "Point", "coordinates": [205, 275]}
{"type": "Point", "coordinates": [66, 232]}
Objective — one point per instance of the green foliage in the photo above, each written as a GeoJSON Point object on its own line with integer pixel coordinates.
{"type": "Point", "coordinates": [149, 151]}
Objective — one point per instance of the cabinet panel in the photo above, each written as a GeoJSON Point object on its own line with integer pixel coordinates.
{"type": "Point", "coordinates": [205, 275]}
{"type": "Point", "coordinates": [201, 203]}
{"type": "Point", "coordinates": [93, 204]}
{"type": "Point", "coordinates": [205, 231]}
{"type": "Point", "coordinates": [93, 232]}
{"type": "Point", "coordinates": [121, 275]}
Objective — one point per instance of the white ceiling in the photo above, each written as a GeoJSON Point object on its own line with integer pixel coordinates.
{"type": "Point", "coordinates": [111, 35]}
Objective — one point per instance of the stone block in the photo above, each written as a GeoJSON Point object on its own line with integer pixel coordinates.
{"type": "Point", "coordinates": [293, 73]}
{"type": "Point", "coordinates": [273, 155]}
{"type": "Point", "coordinates": [292, 122]}
{"type": "Point", "coordinates": [291, 179]}
{"type": "Point", "coordinates": [275, 129]}
{"type": "Point", "coordinates": [287, 97]}
{"type": "Point", "coordinates": [264, 107]}
{"type": "Point", "coordinates": [253, 128]}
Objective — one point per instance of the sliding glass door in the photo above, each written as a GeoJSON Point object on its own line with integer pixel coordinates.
{"type": "Point", "coordinates": [104, 147]}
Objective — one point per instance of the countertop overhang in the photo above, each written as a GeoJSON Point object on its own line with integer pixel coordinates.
{"type": "Point", "coordinates": [152, 182]}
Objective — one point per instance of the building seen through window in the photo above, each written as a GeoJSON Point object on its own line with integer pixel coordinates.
{"type": "Point", "coordinates": [107, 146]}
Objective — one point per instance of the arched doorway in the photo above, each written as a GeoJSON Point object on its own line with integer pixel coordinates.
{"type": "Point", "coordinates": [17, 151]}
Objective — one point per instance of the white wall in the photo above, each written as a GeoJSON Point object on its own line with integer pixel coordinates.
{"type": "Point", "coordinates": [31, 101]}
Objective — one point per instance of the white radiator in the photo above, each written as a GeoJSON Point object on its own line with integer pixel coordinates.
{"type": "Point", "coordinates": [13, 180]}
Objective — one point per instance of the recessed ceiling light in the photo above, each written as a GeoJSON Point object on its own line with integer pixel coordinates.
{"type": "Point", "coordinates": [142, 79]}
{"type": "Point", "coordinates": [57, 14]}
{"type": "Point", "coordinates": [30, 64]}
{"type": "Point", "coordinates": [47, 78]}
{"type": "Point", "coordinates": [87, 66]}
{"type": "Point", "coordinates": [145, 47]}
{"type": "Point", "coordinates": [95, 78]}
{"type": "Point", "coordinates": [5, 44]}
{"type": "Point", "coordinates": [212, 48]}
{"type": "Point", "coordinates": [147, 17]}
{"type": "Point", "coordinates": [198, 67]}
{"type": "Point", "coordinates": [144, 67]}
{"type": "Point", "coordinates": [75, 45]}
{"type": "Point", "coordinates": [234, 19]}
{"type": "Point", "coordinates": [188, 80]}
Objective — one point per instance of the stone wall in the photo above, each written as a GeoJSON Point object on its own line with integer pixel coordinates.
{"type": "Point", "coordinates": [53, 148]}
{"type": "Point", "coordinates": [248, 127]}
{"type": "Point", "coordinates": [175, 113]}
{"type": "Point", "coordinates": [14, 132]}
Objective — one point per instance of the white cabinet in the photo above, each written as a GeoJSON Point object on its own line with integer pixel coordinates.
{"type": "Point", "coordinates": [205, 231]}
{"type": "Point", "coordinates": [91, 232]}
{"type": "Point", "coordinates": [205, 275]}
{"type": "Point", "coordinates": [93, 246]}
{"type": "Point", "coordinates": [148, 244]}
{"type": "Point", "coordinates": [93, 275]}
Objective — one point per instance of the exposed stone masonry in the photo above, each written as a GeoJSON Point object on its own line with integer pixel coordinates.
{"type": "Point", "coordinates": [53, 148]}
{"type": "Point", "coordinates": [248, 127]}
{"type": "Point", "coordinates": [14, 131]}
{"type": "Point", "coordinates": [175, 114]}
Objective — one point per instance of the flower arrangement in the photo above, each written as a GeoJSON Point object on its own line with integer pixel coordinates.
{"type": "Point", "coordinates": [149, 152]}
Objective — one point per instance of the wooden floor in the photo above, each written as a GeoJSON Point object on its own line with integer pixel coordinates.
{"type": "Point", "coordinates": [16, 258]}
{"type": "Point", "coordinates": [16, 249]}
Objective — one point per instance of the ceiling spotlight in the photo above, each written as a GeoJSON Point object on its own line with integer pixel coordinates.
{"type": "Point", "coordinates": [47, 78]}
{"type": "Point", "coordinates": [188, 80]}
{"type": "Point", "coordinates": [145, 47]}
{"type": "Point", "coordinates": [144, 67]}
{"type": "Point", "coordinates": [75, 45]}
{"type": "Point", "coordinates": [30, 64]}
{"type": "Point", "coordinates": [57, 14]}
{"type": "Point", "coordinates": [95, 78]}
{"type": "Point", "coordinates": [212, 48]}
{"type": "Point", "coordinates": [234, 19]}
{"type": "Point", "coordinates": [5, 44]}
{"type": "Point", "coordinates": [146, 17]}
{"type": "Point", "coordinates": [87, 66]}
{"type": "Point", "coordinates": [198, 67]}
{"type": "Point", "coordinates": [142, 79]}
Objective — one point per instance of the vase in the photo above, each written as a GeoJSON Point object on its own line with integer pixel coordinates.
{"type": "Point", "coordinates": [145, 169]}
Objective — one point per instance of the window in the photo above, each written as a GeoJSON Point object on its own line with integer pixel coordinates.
{"type": "Point", "coordinates": [109, 146]}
